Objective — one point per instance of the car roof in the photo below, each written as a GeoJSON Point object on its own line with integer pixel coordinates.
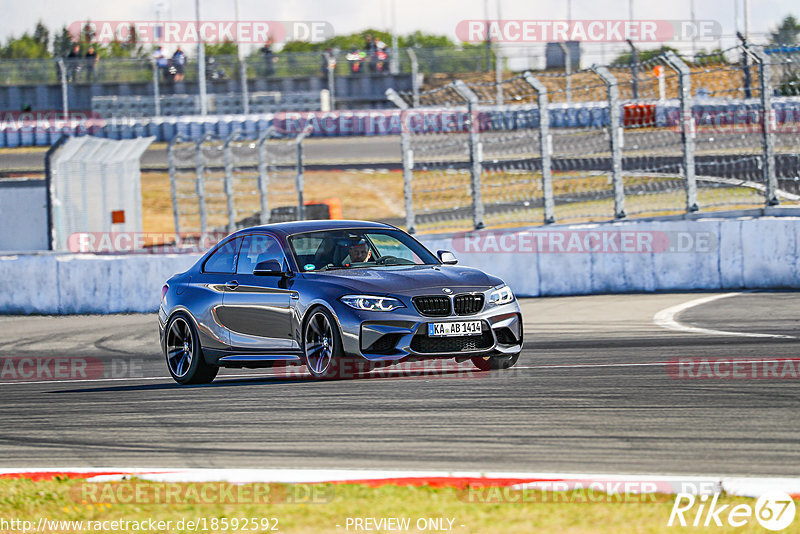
{"type": "Point", "coordinates": [297, 227]}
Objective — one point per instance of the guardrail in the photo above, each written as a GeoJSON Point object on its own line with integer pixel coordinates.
{"type": "Point", "coordinates": [614, 257]}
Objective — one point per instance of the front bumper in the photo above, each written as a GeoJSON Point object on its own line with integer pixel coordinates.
{"type": "Point", "coordinates": [401, 334]}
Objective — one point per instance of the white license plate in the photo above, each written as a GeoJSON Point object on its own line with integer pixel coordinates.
{"type": "Point", "coordinates": [460, 328]}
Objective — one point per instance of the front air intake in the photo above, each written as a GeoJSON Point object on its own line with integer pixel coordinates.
{"type": "Point", "coordinates": [432, 306]}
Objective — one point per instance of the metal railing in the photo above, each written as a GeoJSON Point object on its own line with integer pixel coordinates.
{"type": "Point", "coordinates": [220, 185]}
{"type": "Point", "coordinates": [661, 137]}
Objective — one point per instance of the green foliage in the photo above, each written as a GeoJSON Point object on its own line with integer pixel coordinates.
{"type": "Point", "coordinates": [62, 42]}
{"type": "Point", "coordinates": [644, 55]}
{"type": "Point", "coordinates": [419, 39]}
{"type": "Point", "coordinates": [787, 32]}
{"type": "Point", "coordinates": [25, 47]}
{"type": "Point", "coordinates": [226, 48]}
{"type": "Point", "coordinates": [357, 40]}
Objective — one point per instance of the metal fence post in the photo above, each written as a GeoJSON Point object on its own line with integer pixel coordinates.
{"type": "Point", "coordinates": [200, 185]}
{"type": "Point", "coordinates": [475, 151]}
{"type": "Point", "coordinates": [331, 64]}
{"type": "Point", "coordinates": [544, 147]}
{"type": "Point", "coordinates": [748, 93]}
{"type": "Point", "coordinates": [263, 174]}
{"type": "Point", "coordinates": [173, 187]}
{"type": "Point", "coordinates": [615, 139]}
{"type": "Point", "coordinates": [498, 77]}
{"type": "Point", "coordinates": [687, 128]}
{"type": "Point", "coordinates": [245, 90]}
{"type": "Point", "coordinates": [567, 70]}
{"type": "Point", "coordinates": [634, 70]}
{"type": "Point", "coordinates": [414, 76]}
{"type": "Point", "coordinates": [230, 204]}
{"type": "Point", "coordinates": [768, 127]}
{"type": "Point", "coordinates": [64, 89]}
{"type": "Point", "coordinates": [156, 90]}
{"type": "Point", "coordinates": [408, 158]}
{"type": "Point", "coordinates": [299, 185]}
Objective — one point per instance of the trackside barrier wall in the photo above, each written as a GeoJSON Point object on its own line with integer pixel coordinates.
{"type": "Point", "coordinates": [705, 254]}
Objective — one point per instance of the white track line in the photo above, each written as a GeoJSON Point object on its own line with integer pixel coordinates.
{"type": "Point", "coordinates": [666, 319]}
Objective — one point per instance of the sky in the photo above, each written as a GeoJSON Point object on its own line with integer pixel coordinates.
{"type": "Point", "coordinates": [431, 16]}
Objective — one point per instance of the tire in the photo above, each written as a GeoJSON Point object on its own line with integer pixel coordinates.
{"type": "Point", "coordinates": [323, 354]}
{"type": "Point", "coordinates": [495, 362]}
{"type": "Point", "coordinates": [184, 354]}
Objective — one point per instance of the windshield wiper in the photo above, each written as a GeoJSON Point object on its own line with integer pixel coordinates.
{"type": "Point", "coordinates": [330, 268]}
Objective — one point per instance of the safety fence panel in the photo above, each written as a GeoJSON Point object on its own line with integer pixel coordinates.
{"type": "Point", "coordinates": [437, 158]}
{"type": "Point", "coordinates": [512, 179]}
{"type": "Point", "coordinates": [211, 156]}
{"type": "Point", "coordinates": [580, 143]}
{"type": "Point", "coordinates": [284, 188]}
{"type": "Point", "coordinates": [727, 117]}
{"type": "Point", "coordinates": [784, 76]}
{"type": "Point", "coordinates": [223, 184]}
{"type": "Point", "coordinates": [441, 192]}
{"type": "Point", "coordinates": [188, 219]}
{"type": "Point", "coordinates": [653, 154]}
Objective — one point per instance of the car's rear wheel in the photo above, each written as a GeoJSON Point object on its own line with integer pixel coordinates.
{"type": "Point", "coordinates": [322, 345]}
{"type": "Point", "coordinates": [184, 354]}
{"type": "Point", "coordinates": [495, 362]}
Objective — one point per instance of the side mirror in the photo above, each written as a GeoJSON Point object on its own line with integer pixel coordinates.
{"type": "Point", "coordinates": [268, 268]}
{"type": "Point", "coordinates": [447, 257]}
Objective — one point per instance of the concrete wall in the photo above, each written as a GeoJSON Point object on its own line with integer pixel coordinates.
{"type": "Point", "coordinates": [632, 256]}
{"type": "Point", "coordinates": [23, 215]}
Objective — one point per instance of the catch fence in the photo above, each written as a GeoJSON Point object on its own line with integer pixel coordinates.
{"type": "Point", "coordinates": [665, 136]}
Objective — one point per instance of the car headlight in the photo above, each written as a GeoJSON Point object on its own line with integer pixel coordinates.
{"type": "Point", "coordinates": [372, 303]}
{"type": "Point", "coordinates": [502, 295]}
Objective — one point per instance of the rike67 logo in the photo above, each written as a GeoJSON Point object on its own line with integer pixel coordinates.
{"type": "Point", "coordinates": [773, 511]}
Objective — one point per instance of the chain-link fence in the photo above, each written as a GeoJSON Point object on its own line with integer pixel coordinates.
{"type": "Point", "coordinates": [659, 137]}
{"type": "Point", "coordinates": [784, 76]}
{"type": "Point", "coordinates": [219, 185]}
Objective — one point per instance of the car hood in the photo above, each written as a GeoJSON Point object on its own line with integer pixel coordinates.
{"type": "Point", "coordinates": [409, 280]}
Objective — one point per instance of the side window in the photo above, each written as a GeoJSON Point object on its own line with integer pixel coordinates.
{"type": "Point", "coordinates": [257, 248]}
{"type": "Point", "coordinates": [223, 260]}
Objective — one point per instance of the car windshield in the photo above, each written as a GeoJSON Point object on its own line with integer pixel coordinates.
{"type": "Point", "coordinates": [353, 249]}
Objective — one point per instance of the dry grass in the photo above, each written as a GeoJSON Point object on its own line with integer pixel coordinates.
{"type": "Point", "coordinates": [377, 195]}
{"type": "Point", "coordinates": [533, 511]}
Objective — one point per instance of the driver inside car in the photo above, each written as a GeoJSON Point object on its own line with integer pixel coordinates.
{"type": "Point", "coordinates": [359, 253]}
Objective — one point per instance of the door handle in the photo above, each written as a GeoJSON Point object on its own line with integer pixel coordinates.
{"type": "Point", "coordinates": [233, 284]}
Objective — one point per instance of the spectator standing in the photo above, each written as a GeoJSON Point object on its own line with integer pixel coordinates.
{"type": "Point", "coordinates": [161, 61]}
{"type": "Point", "coordinates": [371, 48]}
{"type": "Point", "coordinates": [269, 59]}
{"type": "Point", "coordinates": [179, 64]}
{"type": "Point", "coordinates": [73, 62]}
{"type": "Point", "coordinates": [91, 63]}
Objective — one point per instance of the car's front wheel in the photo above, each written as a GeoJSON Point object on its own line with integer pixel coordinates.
{"type": "Point", "coordinates": [184, 355]}
{"type": "Point", "coordinates": [494, 362]}
{"type": "Point", "coordinates": [322, 345]}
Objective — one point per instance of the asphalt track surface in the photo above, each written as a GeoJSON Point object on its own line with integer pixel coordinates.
{"type": "Point", "coordinates": [589, 394]}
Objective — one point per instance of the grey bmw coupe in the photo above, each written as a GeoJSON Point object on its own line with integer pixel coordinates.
{"type": "Point", "coordinates": [323, 293]}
